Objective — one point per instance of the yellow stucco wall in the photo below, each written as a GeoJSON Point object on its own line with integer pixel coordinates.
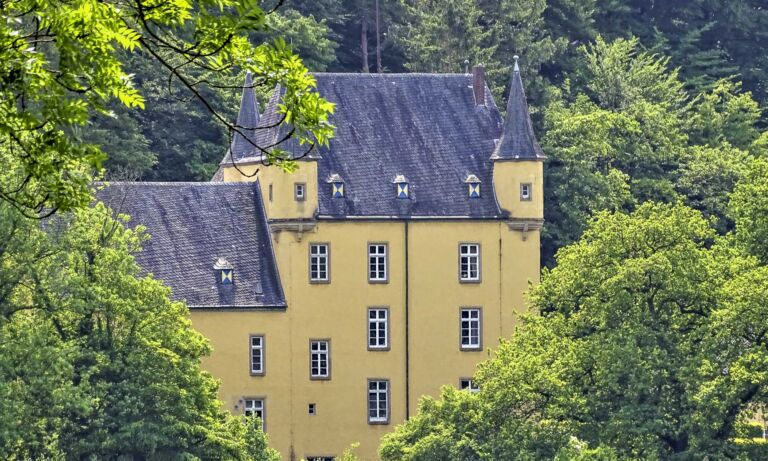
{"type": "Point", "coordinates": [277, 187]}
{"type": "Point", "coordinates": [508, 175]}
{"type": "Point", "coordinates": [338, 311]}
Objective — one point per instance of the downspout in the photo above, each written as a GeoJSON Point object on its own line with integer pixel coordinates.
{"type": "Point", "coordinates": [407, 334]}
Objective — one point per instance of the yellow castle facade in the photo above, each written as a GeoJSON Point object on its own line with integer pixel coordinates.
{"type": "Point", "coordinates": [400, 254]}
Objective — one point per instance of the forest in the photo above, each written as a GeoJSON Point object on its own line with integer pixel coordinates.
{"type": "Point", "coordinates": [647, 337]}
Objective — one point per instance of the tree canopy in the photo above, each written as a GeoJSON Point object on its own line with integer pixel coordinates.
{"type": "Point", "coordinates": [61, 63]}
{"type": "Point", "coordinates": [647, 341]}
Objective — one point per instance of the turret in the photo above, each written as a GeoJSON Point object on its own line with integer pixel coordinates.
{"type": "Point", "coordinates": [518, 159]}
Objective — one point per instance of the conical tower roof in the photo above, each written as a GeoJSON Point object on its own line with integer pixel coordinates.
{"type": "Point", "coordinates": [247, 120]}
{"type": "Point", "coordinates": [518, 142]}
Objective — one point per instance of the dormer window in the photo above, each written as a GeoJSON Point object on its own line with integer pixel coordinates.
{"type": "Point", "coordinates": [402, 188]}
{"type": "Point", "coordinates": [225, 273]}
{"type": "Point", "coordinates": [473, 186]}
{"type": "Point", "coordinates": [337, 186]}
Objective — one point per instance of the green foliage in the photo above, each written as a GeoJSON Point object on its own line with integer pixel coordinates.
{"type": "Point", "coordinates": [631, 135]}
{"type": "Point", "coordinates": [631, 356]}
{"type": "Point", "coordinates": [96, 362]}
{"type": "Point", "coordinates": [439, 36]}
{"type": "Point", "coordinates": [749, 209]}
{"type": "Point", "coordinates": [60, 63]}
{"type": "Point", "coordinates": [308, 37]}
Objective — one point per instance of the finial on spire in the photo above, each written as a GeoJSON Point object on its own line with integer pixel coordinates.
{"type": "Point", "coordinates": [517, 67]}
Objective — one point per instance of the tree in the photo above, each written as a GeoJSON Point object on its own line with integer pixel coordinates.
{"type": "Point", "coordinates": [749, 209]}
{"type": "Point", "coordinates": [60, 65]}
{"type": "Point", "coordinates": [646, 343]}
{"type": "Point", "coordinates": [96, 362]}
{"type": "Point", "coordinates": [624, 131]}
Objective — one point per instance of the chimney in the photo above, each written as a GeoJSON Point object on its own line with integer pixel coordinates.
{"type": "Point", "coordinates": [478, 84]}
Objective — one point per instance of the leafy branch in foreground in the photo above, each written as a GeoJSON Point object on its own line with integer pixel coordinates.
{"type": "Point", "coordinates": [60, 66]}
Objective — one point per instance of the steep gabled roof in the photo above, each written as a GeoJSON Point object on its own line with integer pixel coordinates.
{"type": "Point", "coordinates": [518, 142]}
{"type": "Point", "coordinates": [426, 127]}
{"type": "Point", "coordinates": [194, 225]}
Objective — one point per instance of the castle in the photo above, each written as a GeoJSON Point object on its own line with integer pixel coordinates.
{"type": "Point", "coordinates": [384, 268]}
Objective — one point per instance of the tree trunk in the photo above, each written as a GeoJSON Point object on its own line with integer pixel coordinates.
{"type": "Point", "coordinates": [378, 43]}
{"type": "Point", "coordinates": [364, 34]}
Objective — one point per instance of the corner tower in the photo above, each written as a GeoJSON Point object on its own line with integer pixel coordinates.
{"type": "Point", "coordinates": [287, 196]}
{"type": "Point", "coordinates": [518, 162]}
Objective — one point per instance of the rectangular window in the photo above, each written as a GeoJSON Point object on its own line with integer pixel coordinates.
{"type": "Point", "coordinates": [299, 191]}
{"type": "Point", "coordinates": [312, 409]}
{"type": "Point", "coordinates": [470, 328]}
{"type": "Point", "coordinates": [378, 401]}
{"type": "Point", "coordinates": [468, 385]}
{"type": "Point", "coordinates": [469, 262]}
{"type": "Point", "coordinates": [254, 407]}
{"type": "Point", "coordinates": [319, 258]}
{"type": "Point", "coordinates": [257, 355]}
{"type": "Point", "coordinates": [525, 191]}
{"type": "Point", "coordinates": [320, 359]}
{"type": "Point", "coordinates": [378, 328]}
{"type": "Point", "coordinates": [377, 262]}
{"type": "Point", "coordinates": [321, 458]}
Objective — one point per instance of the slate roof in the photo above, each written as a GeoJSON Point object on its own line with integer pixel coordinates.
{"type": "Point", "coordinates": [518, 142]}
{"type": "Point", "coordinates": [426, 127]}
{"type": "Point", "coordinates": [192, 226]}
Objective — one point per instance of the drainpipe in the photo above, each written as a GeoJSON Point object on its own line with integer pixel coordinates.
{"type": "Point", "coordinates": [407, 333]}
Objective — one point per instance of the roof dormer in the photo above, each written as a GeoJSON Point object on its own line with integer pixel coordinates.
{"type": "Point", "coordinates": [337, 185]}
{"type": "Point", "coordinates": [401, 183]}
{"type": "Point", "coordinates": [473, 186]}
{"type": "Point", "coordinates": [225, 273]}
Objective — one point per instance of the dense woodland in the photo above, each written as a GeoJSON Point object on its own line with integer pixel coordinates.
{"type": "Point", "coordinates": [647, 338]}
{"type": "Point", "coordinates": [708, 40]}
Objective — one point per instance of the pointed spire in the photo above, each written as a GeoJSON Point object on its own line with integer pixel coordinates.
{"type": "Point", "coordinates": [247, 121]}
{"type": "Point", "coordinates": [518, 142]}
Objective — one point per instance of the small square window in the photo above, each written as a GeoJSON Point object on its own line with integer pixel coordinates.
{"type": "Point", "coordinates": [467, 384]}
{"type": "Point", "coordinates": [525, 191]}
{"type": "Point", "coordinates": [300, 191]}
{"type": "Point", "coordinates": [312, 409]}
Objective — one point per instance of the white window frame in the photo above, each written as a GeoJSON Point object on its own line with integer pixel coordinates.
{"type": "Point", "coordinates": [300, 191]}
{"type": "Point", "coordinates": [468, 384]}
{"type": "Point", "coordinates": [320, 359]}
{"type": "Point", "coordinates": [378, 398]}
{"type": "Point", "coordinates": [470, 328]}
{"type": "Point", "coordinates": [319, 263]}
{"type": "Point", "coordinates": [378, 328]}
{"type": "Point", "coordinates": [469, 257]}
{"type": "Point", "coordinates": [257, 406]}
{"type": "Point", "coordinates": [257, 364]}
{"type": "Point", "coordinates": [526, 196]}
{"type": "Point", "coordinates": [378, 262]}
